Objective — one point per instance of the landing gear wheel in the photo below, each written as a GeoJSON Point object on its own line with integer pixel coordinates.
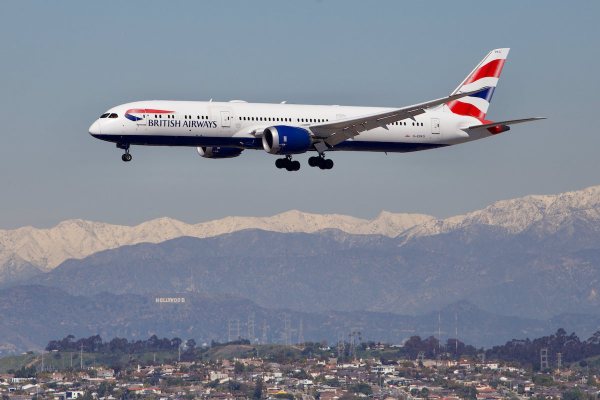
{"type": "Point", "coordinates": [314, 161]}
{"type": "Point", "coordinates": [328, 164]}
{"type": "Point", "coordinates": [287, 163]}
{"type": "Point", "coordinates": [293, 166]}
{"type": "Point", "coordinates": [126, 157]}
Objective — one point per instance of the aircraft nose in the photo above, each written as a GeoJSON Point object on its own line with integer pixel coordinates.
{"type": "Point", "coordinates": [95, 128]}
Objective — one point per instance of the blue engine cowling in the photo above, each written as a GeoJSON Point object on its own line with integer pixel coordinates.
{"type": "Point", "coordinates": [218, 152]}
{"type": "Point", "coordinates": [283, 139]}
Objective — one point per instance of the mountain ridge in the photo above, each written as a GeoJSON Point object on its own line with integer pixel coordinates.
{"type": "Point", "coordinates": [52, 313]}
{"type": "Point", "coordinates": [77, 238]}
{"type": "Point", "coordinates": [45, 249]}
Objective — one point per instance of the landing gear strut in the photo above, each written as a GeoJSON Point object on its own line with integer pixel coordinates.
{"type": "Point", "coordinates": [320, 161]}
{"type": "Point", "coordinates": [125, 157]}
{"type": "Point", "coordinates": [287, 163]}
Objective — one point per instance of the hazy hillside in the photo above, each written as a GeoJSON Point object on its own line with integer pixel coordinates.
{"type": "Point", "coordinates": [33, 315]}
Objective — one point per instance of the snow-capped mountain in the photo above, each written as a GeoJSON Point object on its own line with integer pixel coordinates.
{"type": "Point", "coordinates": [47, 248]}
{"type": "Point", "coordinates": [546, 214]}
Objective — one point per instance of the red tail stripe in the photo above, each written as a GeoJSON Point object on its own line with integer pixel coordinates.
{"type": "Point", "coordinates": [458, 107]}
{"type": "Point", "coordinates": [489, 70]}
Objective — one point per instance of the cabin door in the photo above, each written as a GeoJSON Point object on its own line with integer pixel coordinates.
{"type": "Point", "coordinates": [435, 126]}
{"type": "Point", "coordinates": [225, 119]}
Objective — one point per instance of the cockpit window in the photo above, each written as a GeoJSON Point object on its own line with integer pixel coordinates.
{"type": "Point", "coordinates": [104, 115]}
{"type": "Point", "coordinates": [113, 115]}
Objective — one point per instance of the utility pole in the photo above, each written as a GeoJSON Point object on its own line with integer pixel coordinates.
{"type": "Point", "coordinates": [340, 346]}
{"type": "Point", "coordinates": [301, 332]}
{"type": "Point", "coordinates": [456, 333]}
{"type": "Point", "coordinates": [287, 330]}
{"type": "Point", "coordinates": [544, 359]}
{"type": "Point", "coordinates": [230, 330]}
{"type": "Point", "coordinates": [439, 333]}
{"type": "Point", "coordinates": [265, 327]}
{"type": "Point", "coordinates": [251, 335]}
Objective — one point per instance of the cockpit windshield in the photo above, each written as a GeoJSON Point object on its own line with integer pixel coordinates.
{"type": "Point", "coordinates": [109, 115]}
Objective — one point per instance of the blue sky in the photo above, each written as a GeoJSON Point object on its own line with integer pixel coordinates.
{"type": "Point", "coordinates": [63, 63]}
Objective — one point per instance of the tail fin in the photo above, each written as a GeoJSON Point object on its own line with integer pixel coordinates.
{"type": "Point", "coordinates": [485, 74]}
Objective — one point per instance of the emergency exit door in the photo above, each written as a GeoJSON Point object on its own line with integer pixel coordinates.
{"type": "Point", "coordinates": [435, 126]}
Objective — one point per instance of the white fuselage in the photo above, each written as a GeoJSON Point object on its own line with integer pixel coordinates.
{"type": "Point", "coordinates": [238, 124]}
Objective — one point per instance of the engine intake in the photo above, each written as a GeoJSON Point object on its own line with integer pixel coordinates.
{"type": "Point", "coordinates": [283, 139]}
{"type": "Point", "coordinates": [218, 152]}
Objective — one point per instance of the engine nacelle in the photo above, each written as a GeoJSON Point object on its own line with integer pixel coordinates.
{"type": "Point", "coordinates": [283, 139]}
{"type": "Point", "coordinates": [218, 152]}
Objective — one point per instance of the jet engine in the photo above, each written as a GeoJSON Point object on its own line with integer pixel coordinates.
{"type": "Point", "coordinates": [218, 152]}
{"type": "Point", "coordinates": [285, 139]}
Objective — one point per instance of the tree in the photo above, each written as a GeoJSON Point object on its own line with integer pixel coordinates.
{"type": "Point", "coordinates": [104, 389]}
{"type": "Point", "coordinates": [258, 390]}
{"type": "Point", "coordinates": [284, 396]}
{"type": "Point", "coordinates": [176, 343]}
{"type": "Point", "coordinates": [573, 394]}
{"type": "Point", "coordinates": [25, 372]}
{"type": "Point", "coordinates": [363, 388]}
{"type": "Point", "coordinates": [190, 344]}
{"type": "Point", "coordinates": [467, 392]}
{"type": "Point", "coordinates": [238, 368]}
{"type": "Point", "coordinates": [234, 386]}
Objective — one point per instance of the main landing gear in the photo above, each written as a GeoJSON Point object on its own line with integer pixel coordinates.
{"type": "Point", "coordinates": [320, 161]}
{"type": "Point", "coordinates": [287, 163]}
{"type": "Point", "coordinates": [125, 157]}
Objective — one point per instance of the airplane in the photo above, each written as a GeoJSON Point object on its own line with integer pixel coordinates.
{"type": "Point", "coordinates": [222, 130]}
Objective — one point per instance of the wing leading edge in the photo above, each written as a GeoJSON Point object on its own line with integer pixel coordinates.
{"type": "Point", "coordinates": [336, 132]}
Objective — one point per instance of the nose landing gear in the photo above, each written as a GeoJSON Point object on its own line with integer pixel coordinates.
{"type": "Point", "coordinates": [320, 161]}
{"type": "Point", "coordinates": [287, 163]}
{"type": "Point", "coordinates": [125, 157]}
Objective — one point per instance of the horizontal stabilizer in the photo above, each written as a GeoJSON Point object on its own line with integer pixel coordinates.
{"type": "Point", "coordinates": [508, 122]}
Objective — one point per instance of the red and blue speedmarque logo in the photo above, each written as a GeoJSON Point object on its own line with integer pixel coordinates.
{"type": "Point", "coordinates": [133, 114]}
{"type": "Point", "coordinates": [129, 114]}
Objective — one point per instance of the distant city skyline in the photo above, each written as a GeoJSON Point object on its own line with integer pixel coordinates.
{"type": "Point", "coordinates": [63, 66]}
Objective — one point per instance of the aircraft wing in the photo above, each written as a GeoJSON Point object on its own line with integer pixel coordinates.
{"type": "Point", "coordinates": [336, 132]}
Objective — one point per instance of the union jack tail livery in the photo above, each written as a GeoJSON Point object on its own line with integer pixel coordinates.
{"type": "Point", "coordinates": [485, 75]}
